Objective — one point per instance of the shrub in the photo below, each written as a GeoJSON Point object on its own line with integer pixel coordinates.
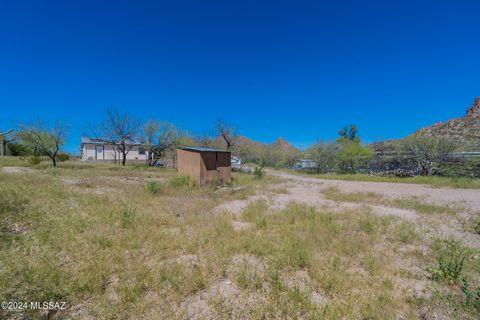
{"type": "Point", "coordinates": [405, 232]}
{"type": "Point", "coordinates": [154, 187]}
{"type": "Point", "coordinates": [34, 160]}
{"type": "Point", "coordinates": [326, 155]}
{"type": "Point", "coordinates": [129, 214]}
{"type": "Point", "coordinates": [353, 156]}
{"type": "Point", "coordinates": [258, 172]}
{"type": "Point", "coordinates": [429, 154]}
{"type": "Point", "coordinates": [472, 297]}
{"type": "Point", "coordinates": [63, 157]}
{"type": "Point", "coordinates": [450, 259]}
{"type": "Point", "coordinates": [182, 182]}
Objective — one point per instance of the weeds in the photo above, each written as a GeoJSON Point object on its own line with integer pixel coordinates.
{"type": "Point", "coordinates": [34, 160]}
{"type": "Point", "coordinates": [182, 182]}
{"type": "Point", "coordinates": [434, 181]}
{"type": "Point", "coordinates": [450, 262]}
{"type": "Point", "coordinates": [421, 207]}
{"type": "Point", "coordinates": [405, 232]}
{"type": "Point", "coordinates": [129, 214]}
{"type": "Point", "coordinates": [414, 204]}
{"type": "Point", "coordinates": [258, 173]}
{"type": "Point", "coordinates": [472, 297]}
{"type": "Point", "coordinates": [154, 187]}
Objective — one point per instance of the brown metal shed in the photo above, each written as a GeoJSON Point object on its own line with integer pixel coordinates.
{"type": "Point", "coordinates": [205, 165]}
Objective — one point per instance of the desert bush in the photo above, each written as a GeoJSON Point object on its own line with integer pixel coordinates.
{"type": "Point", "coordinates": [34, 160]}
{"type": "Point", "coordinates": [405, 232]}
{"type": "Point", "coordinates": [429, 154]}
{"type": "Point", "coordinates": [472, 296]}
{"type": "Point", "coordinates": [61, 157]}
{"type": "Point", "coordinates": [182, 182]}
{"type": "Point", "coordinates": [353, 156]}
{"type": "Point", "coordinates": [325, 155]}
{"type": "Point", "coordinates": [129, 214]}
{"type": "Point", "coordinates": [258, 172]}
{"type": "Point", "coordinates": [450, 262]}
{"type": "Point", "coordinates": [154, 187]}
{"type": "Point", "coordinates": [18, 149]}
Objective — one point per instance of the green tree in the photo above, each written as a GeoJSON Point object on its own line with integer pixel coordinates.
{"type": "Point", "coordinates": [429, 154]}
{"type": "Point", "coordinates": [353, 156]}
{"type": "Point", "coordinates": [348, 133]}
{"type": "Point", "coordinates": [42, 140]}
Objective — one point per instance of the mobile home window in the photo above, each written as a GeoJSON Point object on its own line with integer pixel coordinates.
{"type": "Point", "coordinates": [141, 150]}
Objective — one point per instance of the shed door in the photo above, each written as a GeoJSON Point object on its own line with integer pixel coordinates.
{"type": "Point", "coordinates": [99, 153]}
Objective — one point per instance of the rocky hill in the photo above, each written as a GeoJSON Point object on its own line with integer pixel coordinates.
{"type": "Point", "coordinates": [243, 141]}
{"type": "Point", "coordinates": [281, 143]}
{"type": "Point", "coordinates": [464, 130]}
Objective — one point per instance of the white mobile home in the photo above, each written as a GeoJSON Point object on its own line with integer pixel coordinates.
{"type": "Point", "coordinates": [305, 164]}
{"type": "Point", "coordinates": [101, 150]}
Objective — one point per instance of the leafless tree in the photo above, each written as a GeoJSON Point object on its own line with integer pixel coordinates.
{"type": "Point", "coordinates": [120, 130]}
{"type": "Point", "coordinates": [42, 140]}
{"type": "Point", "coordinates": [158, 137]}
{"type": "Point", "coordinates": [4, 140]}
{"type": "Point", "coordinates": [228, 133]}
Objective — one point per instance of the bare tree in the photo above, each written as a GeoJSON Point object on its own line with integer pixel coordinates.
{"type": "Point", "coordinates": [42, 140]}
{"type": "Point", "coordinates": [4, 140]}
{"type": "Point", "coordinates": [159, 137]}
{"type": "Point", "coordinates": [228, 133]}
{"type": "Point", "coordinates": [121, 130]}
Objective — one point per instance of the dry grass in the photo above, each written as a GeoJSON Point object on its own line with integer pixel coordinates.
{"type": "Point", "coordinates": [414, 204]}
{"type": "Point", "coordinates": [434, 181]}
{"type": "Point", "coordinates": [100, 239]}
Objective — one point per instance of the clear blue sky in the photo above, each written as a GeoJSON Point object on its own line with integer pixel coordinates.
{"type": "Point", "coordinates": [296, 69]}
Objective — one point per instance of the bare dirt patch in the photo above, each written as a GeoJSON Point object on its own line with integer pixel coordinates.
{"type": "Point", "coordinates": [446, 196]}
{"type": "Point", "coordinates": [18, 170]}
{"type": "Point", "coordinates": [239, 225]}
{"type": "Point", "coordinates": [301, 280]}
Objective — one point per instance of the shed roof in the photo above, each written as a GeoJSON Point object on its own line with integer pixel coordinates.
{"type": "Point", "coordinates": [202, 149]}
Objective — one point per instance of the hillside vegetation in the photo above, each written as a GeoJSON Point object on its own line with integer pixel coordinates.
{"type": "Point", "coordinates": [465, 130]}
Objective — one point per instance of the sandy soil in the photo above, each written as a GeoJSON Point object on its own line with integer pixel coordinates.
{"type": "Point", "coordinates": [444, 196]}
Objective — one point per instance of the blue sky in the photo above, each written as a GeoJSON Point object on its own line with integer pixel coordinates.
{"type": "Point", "coordinates": [296, 69]}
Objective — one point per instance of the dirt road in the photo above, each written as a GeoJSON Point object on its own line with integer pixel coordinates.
{"type": "Point", "coordinates": [309, 191]}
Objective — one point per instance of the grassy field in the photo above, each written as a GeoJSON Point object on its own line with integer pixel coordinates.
{"type": "Point", "coordinates": [143, 243]}
{"type": "Point", "coordinates": [434, 181]}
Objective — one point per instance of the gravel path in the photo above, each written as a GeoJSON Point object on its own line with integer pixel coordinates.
{"type": "Point", "coordinates": [444, 196]}
{"type": "Point", "coordinates": [308, 191]}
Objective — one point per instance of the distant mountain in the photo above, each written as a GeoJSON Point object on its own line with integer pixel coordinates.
{"type": "Point", "coordinates": [247, 142]}
{"type": "Point", "coordinates": [243, 141]}
{"type": "Point", "coordinates": [464, 130]}
{"type": "Point", "coordinates": [281, 143]}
